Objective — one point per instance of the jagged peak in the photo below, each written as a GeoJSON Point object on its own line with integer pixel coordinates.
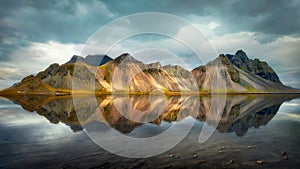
{"type": "Point", "coordinates": [222, 59]}
{"type": "Point", "coordinates": [241, 55]}
{"type": "Point", "coordinates": [126, 58]}
{"type": "Point", "coordinates": [240, 51]}
{"type": "Point", "coordinates": [257, 67]}
{"type": "Point", "coordinates": [75, 58]}
{"type": "Point", "coordinates": [94, 60]}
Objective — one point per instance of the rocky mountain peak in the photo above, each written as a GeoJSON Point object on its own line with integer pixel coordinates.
{"type": "Point", "coordinates": [126, 58]}
{"type": "Point", "coordinates": [93, 60]}
{"type": "Point", "coordinates": [240, 59]}
{"type": "Point", "coordinates": [76, 58]}
{"type": "Point", "coordinates": [240, 54]}
{"type": "Point", "coordinates": [51, 70]}
{"type": "Point", "coordinates": [257, 67]}
{"type": "Point", "coordinates": [222, 59]}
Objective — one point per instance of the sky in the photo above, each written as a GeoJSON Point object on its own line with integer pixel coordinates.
{"type": "Point", "coordinates": [34, 34]}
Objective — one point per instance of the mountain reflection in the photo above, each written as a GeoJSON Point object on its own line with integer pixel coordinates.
{"type": "Point", "coordinates": [125, 113]}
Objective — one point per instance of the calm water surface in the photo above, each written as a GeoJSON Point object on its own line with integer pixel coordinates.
{"type": "Point", "coordinates": [40, 132]}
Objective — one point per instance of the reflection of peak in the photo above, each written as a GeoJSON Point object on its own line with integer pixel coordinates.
{"type": "Point", "coordinates": [256, 119]}
{"type": "Point", "coordinates": [238, 115]}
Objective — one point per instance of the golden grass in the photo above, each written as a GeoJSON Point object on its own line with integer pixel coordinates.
{"type": "Point", "coordinates": [65, 92]}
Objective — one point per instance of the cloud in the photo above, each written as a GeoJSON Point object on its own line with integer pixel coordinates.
{"type": "Point", "coordinates": [63, 21]}
{"type": "Point", "coordinates": [273, 19]}
{"type": "Point", "coordinates": [10, 73]}
{"type": "Point", "coordinates": [22, 23]}
{"type": "Point", "coordinates": [74, 21]}
{"type": "Point", "coordinates": [42, 54]}
{"type": "Point", "coordinates": [34, 58]}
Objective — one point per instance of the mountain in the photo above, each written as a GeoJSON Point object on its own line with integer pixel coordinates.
{"type": "Point", "coordinates": [128, 74]}
{"type": "Point", "coordinates": [238, 73]}
{"type": "Point", "coordinates": [227, 73]}
{"type": "Point", "coordinates": [257, 67]}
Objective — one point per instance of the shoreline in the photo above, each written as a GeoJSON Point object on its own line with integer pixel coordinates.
{"type": "Point", "coordinates": [99, 93]}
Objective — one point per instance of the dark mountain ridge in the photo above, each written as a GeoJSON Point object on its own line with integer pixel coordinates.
{"type": "Point", "coordinates": [257, 67]}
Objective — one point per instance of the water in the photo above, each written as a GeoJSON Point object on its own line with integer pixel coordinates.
{"type": "Point", "coordinates": [49, 132]}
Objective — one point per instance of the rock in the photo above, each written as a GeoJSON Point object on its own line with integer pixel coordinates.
{"type": "Point", "coordinates": [284, 155]}
{"type": "Point", "coordinates": [76, 58]}
{"type": "Point", "coordinates": [259, 161]}
{"type": "Point", "coordinates": [168, 166]}
{"type": "Point", "coordinates": [126, 58]}
{"type": "Point", "coordinates": [229, 162]}
{"type": "Point", "coordinates": [249, 147]}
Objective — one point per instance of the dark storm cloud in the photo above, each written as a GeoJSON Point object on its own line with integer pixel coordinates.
{"type": "Point", "coordinates": [266, 17]}
{"type": "Point", "coordinates": [22, 22]}
{"type": "Point", "coordinates": [61, 20]}
{"type": "Point", "coordinates": [72, 21]}
{"type": "Point", "coordinates": [270, 18]}
{"type": "Point", "coordinates": [58, 20]}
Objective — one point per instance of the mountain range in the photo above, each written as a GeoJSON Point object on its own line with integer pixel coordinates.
{"type": "Point", "coordinates": [102, 74]}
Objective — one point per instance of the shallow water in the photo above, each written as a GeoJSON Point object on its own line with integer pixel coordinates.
{"type": "Point", "coordinates": [53, 133]}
